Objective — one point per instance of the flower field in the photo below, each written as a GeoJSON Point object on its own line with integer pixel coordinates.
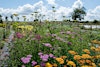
{"type": "Point", "coordinates": [54, 45]}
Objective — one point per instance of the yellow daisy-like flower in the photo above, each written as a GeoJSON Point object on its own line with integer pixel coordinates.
{"type": "Point", "coordinates": [60, 60]}
{"type": "Point", "coordinates": [92, 48]}
{"type": "Point", "coordinates": [85, 56]}
{"type": "Point", "coordinates": [86, 66]}
{"type": "Point", "coordinates": [71, 63]}
{"type": "Point", "coordinates": [54, 65]}
{"type": "Point", "coordinates": [72, 52]}
{"type": "Point", "coordinates": [63, 57]}
{"type": "Point", "coordinates": [48, 65]}
{"type": "Point", "coordinates": [77, 57]}
{"type": "Point", "coordinates": [86, 51]}
{"type": "Point", "coordinates": [37, 66]}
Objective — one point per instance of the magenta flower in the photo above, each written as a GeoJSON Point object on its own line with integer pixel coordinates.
{"type": "Point", "coordinates": [37, 37]}
{"type": "Point", "coordinates": [44, 57]}
{"type": "Point", "coordinates": [47, 44]}
{"type": "Point", "coordinates": [19, 35]}
{"type": "Point", "coordinates": [42, 64]}
{"type": "Point", "coordinates": [34, 63]}
{"type": "Point", "coordinates": [25, 60]}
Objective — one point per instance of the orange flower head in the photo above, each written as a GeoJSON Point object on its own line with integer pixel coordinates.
{"type": "Point", "coordinates": [60, 60]}
{"type": "Point", "coordinates": [71, 63]}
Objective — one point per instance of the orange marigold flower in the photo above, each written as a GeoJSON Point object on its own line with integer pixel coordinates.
{"type": "Point", "coordinates": [71, 63]}
{"type": "Point", "coordinates": [72, 52]}
{"type": "Point", "coordinates": [65, 65]}
{"type": "Point", "coordinates": [85, 66]}
{"type": "Point", "coordinates": [99, 64]}
{"type": "Point", "coordinates": [81, 61]}
{"type": "Point", "coordinates": [77, 57]}
{"type": "Point", "coordinates": [54, 65]}
{"type": "Point", "coordinates": [88, 61]}
{"type": "Point", "coordinates": [93, 48]}
{"type": "Point", "coordinates": [86, 51]}
{"type": "Point", "coordinates": [63, 57]}
{"type": "Point", "coordinates": [37, 66]}
{"type": "Point", "coordinates": [85, 56]}
{"type": "Point", "coordinates": [48, 65]}
{"type": "Point", "coordinates": [94, 65]}
{"type": "Point", "coordinates": [60, 60]}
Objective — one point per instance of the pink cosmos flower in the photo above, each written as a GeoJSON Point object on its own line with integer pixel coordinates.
{"type": "Point", "coordinates": [25, 60]}
{"type": "Point", "coordinates": [44, 57]}
{"type": "Point", "coordinates": [47, 44]}
{"type": "Point", "coordinates": [34, 63]}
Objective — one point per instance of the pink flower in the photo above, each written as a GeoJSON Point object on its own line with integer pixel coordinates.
{"type": "Point", "coordinates": [19, 35]}
{"type": "Point", "coordinates": [44, 57]}
{"type": "Point", "coordinates": [34, 63]}
{"type": "Point", "coordinates": [25, 60]}
{"type": "Point", "coordinates": [23, 65]}
{"type": "Point", "coordinates": [40, 53]}
{"type": "Point", "coordinates": [47, 44]}
{"type": "Point", "coordinates": [29, 56]}
{"type": "Point", "coordinates": [51, 55]}
{"type": "Point", "coordinates": [38, 37]}
{"type": "Point", "coordinates": [68, 32]}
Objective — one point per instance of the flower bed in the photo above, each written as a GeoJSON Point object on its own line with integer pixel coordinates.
{"type": "Point", "coordinates": [54, 45]}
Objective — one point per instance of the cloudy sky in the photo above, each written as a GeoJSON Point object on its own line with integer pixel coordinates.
{"type": "Point", "coordinates": [63, 7]}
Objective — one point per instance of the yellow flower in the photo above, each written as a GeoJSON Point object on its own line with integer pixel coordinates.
{"type": "Point", "coordinates": [77, 57]}
{"type": "Point", "coordinates": [85, 56]}
{"type": "Point", "coordinates": [88, 61]}
{"type": "Point", "coordinates": [48, 65]}
{"type": "Point", "coordinates": [92, 48]}
{"type": "Point", "coordinates": [37, 66]}
{"type": "Point", "coordinates": [71, 63]}
{"type": "Point", "coordinates": [93, 65]}
{"type": "Point", "coordinates": [63, 57]}
{"type": "Point", "coordinates": [81, 61]}
{"type": "Point", "coordinates": [86, 51]}
{"type": "Point", "coordinates": [72, 52]}
{"type": "Point", "coordinates": [86, 66]}
{"type": "Point", "coordinates": [60, 60]}
{"type": "Point", "coordinates": [54, 65]}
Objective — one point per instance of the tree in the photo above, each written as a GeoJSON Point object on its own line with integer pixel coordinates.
{"type": "Point", "coordinates": [78, 13]}
{"type": "Point", "coordinates": [1, 19]}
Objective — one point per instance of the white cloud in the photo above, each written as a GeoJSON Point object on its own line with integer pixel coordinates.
{"type": "Point", "coordinates": [51, 2]}
{"type": "Point", "coordinates": [93, 14]}
{"type": "Point", "coordinates": [27, 9]}
{"type": "Point", "coordinates": [77, 4]}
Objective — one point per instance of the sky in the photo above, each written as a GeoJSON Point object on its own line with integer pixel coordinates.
{"type": "Point", "coordinates": [63, 7]}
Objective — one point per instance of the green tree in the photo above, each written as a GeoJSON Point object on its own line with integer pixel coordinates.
{"type": "Point", "coordinates": [79, 13]}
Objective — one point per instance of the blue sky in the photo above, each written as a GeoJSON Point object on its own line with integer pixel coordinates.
{"type": "Point", "coordinates": [89, 4]}
{"type": "Point", "coordinates": [26, 7]}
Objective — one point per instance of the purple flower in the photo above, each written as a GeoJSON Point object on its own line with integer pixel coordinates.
{"type": "Point", "coordinates": [38, 37]}
{"type": "Point", "coordinates": [51, 55]}
{"type": "Point", "coordinates": [40, 53]}
{"type": "Point", "coordinates": [25, 60]}
{"type": "Point", "coordinates": [44, 57]}
{"type": "Point", "coordinates": [42, 64]}
{"type": "Point", "coordinates": [69, 43]}
{"type": "Point", "coordinates": [47, 44]}
{"type": "Point", "coordinates": [34, 63]}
